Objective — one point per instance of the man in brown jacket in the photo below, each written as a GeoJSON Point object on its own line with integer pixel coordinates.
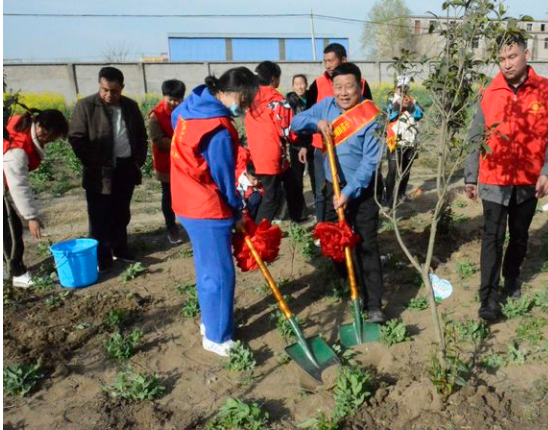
{"type": "Point", "coordinates": [108, 135]}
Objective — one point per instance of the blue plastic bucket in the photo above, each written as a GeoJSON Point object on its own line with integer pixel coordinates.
{"type": "Point", "coordinates": [76, 262]}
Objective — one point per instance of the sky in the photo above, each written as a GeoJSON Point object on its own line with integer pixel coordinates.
{"type": "Point", "coordinates": [87, 39]}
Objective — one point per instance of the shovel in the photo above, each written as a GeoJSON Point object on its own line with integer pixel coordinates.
{"type": "Point", "coordinates": [359, 331]}
{"type": "Point", "coordinates": [313, 354]}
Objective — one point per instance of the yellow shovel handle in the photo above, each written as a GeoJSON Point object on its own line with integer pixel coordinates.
{"type": "Point", "coordinates": [340, 212]}
{"type": "Point", "coordinates": [269, 279]}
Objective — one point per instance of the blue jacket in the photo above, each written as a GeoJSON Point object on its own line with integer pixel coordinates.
{"type": "Point", "coordinates": [357, 156]}
{"type": "Point", "coordinates": [217, 148]}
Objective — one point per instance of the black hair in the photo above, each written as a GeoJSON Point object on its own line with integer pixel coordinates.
{"type": "Point", "coordinates": [250, 168]}
{"type": "Point", "coordinates": [300, 75]}
{"type": "Point", "coordinates": [509, 39]}
{"type": "Point", "coordinates": [337, 49]}
{"type": "Point", "coordinates": [348, 69]}
{"type": "Point", "coordinates": [267, 70]}
{"type": "Point", "coordinates": [111, 74]}
{"type": "Point", "coordinates": [237, 80]}
{"type": "Point", "coordinates": [174, 88]}
{"type": "Point", "coordinates": [52, 120]}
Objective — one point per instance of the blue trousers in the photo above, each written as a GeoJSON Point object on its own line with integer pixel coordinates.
{"type": "Point", "coordinates": [215, 277]}
{"type": "Point", "coordinates": [319, 179]}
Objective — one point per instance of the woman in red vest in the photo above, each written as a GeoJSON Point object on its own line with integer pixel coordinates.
{"type": "Point", "coordinates": [267, 125]}
{"type": "Point", "coordinates": [23, 152]}
{"type": "Point", "coordinates": [204, 196]}
{"type": "Point", "coordinates": [160, 132]}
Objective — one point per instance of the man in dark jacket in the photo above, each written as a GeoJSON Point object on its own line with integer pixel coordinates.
{"type": "Point", "coordinates": [108, 135]}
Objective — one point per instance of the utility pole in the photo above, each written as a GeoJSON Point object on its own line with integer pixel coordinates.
{"type": "Point", "coordinates": [314, 56]}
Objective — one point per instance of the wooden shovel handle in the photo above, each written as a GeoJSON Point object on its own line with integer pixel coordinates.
{"type": "Point", "coordinates": [269, 279]}
{"type": "Point", "coordinates": [340, 212]}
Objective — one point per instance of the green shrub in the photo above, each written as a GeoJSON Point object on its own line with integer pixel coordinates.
{"type": "Point", "coordinates": [238, 415]}
{"type": "Point", "coordinates": [394, 331]}
{"type": "Point", "coordinates": [418, 304]}
{"type": "Point", "coordinates": [240, 359]}
{"type": "Point", "coordinates": [517, 307]}
{"type": "Point", "coordinates": [134, 386]}
{"type": "Point", "coordinates": [352, 388]}
{"type": "Point", "coordinates": [132, 271]}
{"type": "Point", "coordinates": [20, 379]}
{"type": "Point", "coordinates": [122, 348]}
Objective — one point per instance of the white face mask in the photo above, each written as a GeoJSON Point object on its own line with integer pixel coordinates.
{"type": "Point", "coordinates": [235, 110]}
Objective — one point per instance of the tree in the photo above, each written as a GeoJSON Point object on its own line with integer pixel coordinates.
{"type": "Point", "coordinates": [388, 30]}
{"type": "Point", "coordinates": [452, 83]}
{"type": "Point", "coordinates": [118, 53]}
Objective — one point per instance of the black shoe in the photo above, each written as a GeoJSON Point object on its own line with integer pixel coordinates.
{"type": "Point", "coordinates": [489, 310]}
{"type": "Point", "coordinates": [512, 288]}
{"type": "Point", "coordinates": [376, 316]}
{"type": "Point", "coordinates": [126, 257]}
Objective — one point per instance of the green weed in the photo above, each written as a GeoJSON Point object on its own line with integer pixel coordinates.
{"type": "Point", "coordinates": [418, 304]}
{"type": "Point", "coordinates": [493, 361]}
{"type": "Point", "coordinates": [20, 379]}
{"type": "Point", "coordinates": [186, 253]}
{"type": "Point", "coordinates": [284, 326]}
{"type": "Point", "coordinates": [515, 355]}
{"type": "Point", "coordinates": [321, 422]}
{"type": "Point", "coordinates": [185, 288]}
{"type": "Point", "coordinates": [346, 356]}
{"type": "Point", "coordinates": [466, 269]}
{"type": "Point", "coordinates": [472, 330]}
{"type": "Point", "coordinates": [43, 283]}
{"type": "Point", "coordinates": [116, 317]}
{"type": "Point", "coordinates": [240, 359]}
{"type": "Point", "coordinates": [394, 331]}
{"type": "Point", "coordinates": [530, 330]}
{"type": "Point", "coordinates": [352, 388]}
{"type": "Point", "coordinates": [56, 300]}
{"type": "Point", "coordinates": [514, 308]}
{"type": "Point", "coordinates": [134, 386]}
{"type": "Point", "coordinates": [191, 307]}
{"type": "Point", "coordinates": [299, 236]}
{"type": "Point", "coordinates": [544, 267]}
{"type": "Point", "coordinates": [238, 415]}
{"type": "Point", "coordinates": [540, 300]}
{"type": "Point", "coordinates": [132, 271]}
{"type": "Point", "coordinates": [122, 348]}
{"type": "Point", "coordinates": [449, 375]}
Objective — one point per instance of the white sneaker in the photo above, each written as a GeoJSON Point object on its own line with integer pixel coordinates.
{"type": "Point", "coordinates": [23, 281]}
{"type": "Point", "coordinates": [202, 329]}
{"type": "Point", "coordinates": [222, 349]}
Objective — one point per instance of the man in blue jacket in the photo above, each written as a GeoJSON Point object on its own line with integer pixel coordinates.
{"type": "Point", "coordinates": [357, 157]}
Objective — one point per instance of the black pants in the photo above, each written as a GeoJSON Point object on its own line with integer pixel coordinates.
{"type": "Point", "coordinates": [13, 244]}
{"type": "Point", "coordinates": [363, 215]}
{"type": "Point", "coordinates": [319, 180]}
{"type": "Point", "coordinates": [273, 196]}
{"type": "Point", "coordinates": [253, 204]}
{"type": "Point", "coordinates": [405, 158]}
{"type": "Point", "coordinates": [109, 215]}
{"type": "Point", "coordinates": [298, 167]}
{"type": "Point", "coordinates": [495, 218]}
{"type": "Point", "coordinates": [169, 215]}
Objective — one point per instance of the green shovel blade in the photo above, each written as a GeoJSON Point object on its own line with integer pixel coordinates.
{"type": "Point", "coordinates": [321, 351]}
{"type": "Point", "coordinates": [370, 332]}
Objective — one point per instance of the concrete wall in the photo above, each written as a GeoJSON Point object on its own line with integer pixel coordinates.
{"type": "Point", "coordinates": [73, 79]}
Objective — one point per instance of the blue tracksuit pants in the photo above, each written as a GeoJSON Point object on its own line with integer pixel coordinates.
{"type": "Point", "coordinates": [215, 277]}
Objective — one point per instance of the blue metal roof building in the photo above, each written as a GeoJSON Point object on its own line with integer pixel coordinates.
{"type": "Point", "coordinates": [245, 47]}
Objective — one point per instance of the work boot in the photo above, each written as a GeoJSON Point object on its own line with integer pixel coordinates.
{"type": "Point", "coordinates": [489, 310]}
{"type": "Point", "coordinates": [512, 288]}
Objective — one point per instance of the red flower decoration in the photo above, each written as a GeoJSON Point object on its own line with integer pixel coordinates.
{"type": "Point", "coordinates": [266, 239]}
{"type": "Point", "coordinates": [334, 237]}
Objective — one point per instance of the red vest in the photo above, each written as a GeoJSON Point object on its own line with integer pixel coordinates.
{"type": "Point", "coordinates": [22, 140]}
{"type": "Point", "coordinates": [324, 84]}
{"type": "Point", "coordinates": [241, 161]}
{"type": "Point", "coordinates": [194, 194]}
{"type": "Point", "coordinates": [518, 143]}
{"type": "Point", "coordinates": [264, 133]}
{"type": "Point", "coordinates": [160, 159]}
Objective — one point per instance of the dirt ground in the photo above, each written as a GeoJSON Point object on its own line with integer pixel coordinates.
{"type": "Point", "coordinates": [69, 339]}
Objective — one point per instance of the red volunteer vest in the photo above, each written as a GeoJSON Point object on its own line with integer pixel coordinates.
{"type": "Point", "coordinates": [518, 144]}
{"type": "Point", "coordinates": [161, 159]}
{"type": "Point", "coordinates": [194, 194]}
{"type": "Point", "coordinates": [264, 134]}
{"type": "Point", "coordinates": [324, 85]}
{"type": "Point", "coordinates": [22, 140]}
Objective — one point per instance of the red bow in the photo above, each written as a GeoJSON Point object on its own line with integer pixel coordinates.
{"type": "Point", "coordinates": [266, 239]}
{"type": "Point", "coordinates": [334, 237]}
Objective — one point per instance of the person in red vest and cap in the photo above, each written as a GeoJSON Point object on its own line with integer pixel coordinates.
{"type": "Point", "coordinates": [204, 196]}
{"type": "Point", "coordinates": [512, 121]}
{"type": "Point", "coordinates": [267, 125]}
{"type": "Point", "coordinates": [23, 152]}
{"type": "Point", "coordinates": [334, 55]}
{"type": "Point", "coordinates": [160, 131]}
